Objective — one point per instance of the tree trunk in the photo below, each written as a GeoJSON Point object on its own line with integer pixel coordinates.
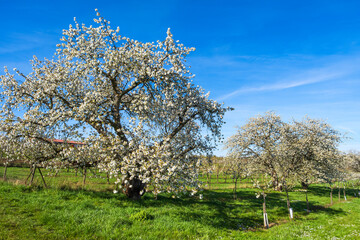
{"type": "Point", "coordinates": [331, 195]}
{"type": "Point", "coordinates": [5, 170]}
{"type": "Point", "coordinates": [84, 176]}
{"type": "Point", "coordinates": [225, 177]}
{"type": "Point", "coordinates": [339, 191]}
{"type": "Point", "coordinates": [304, 185]}
{"type": "Point", "coordinates": [344, 192]}
{"type": "Point", "coordinates": [266, 225]}
{"type": "Point", "coordinates": [307, 202]}
{"type": "Point", "coordinates": [235, 189]}
{"type": "Point", "coordinates": [33, 174]}
{"type": "Point", "coordinates": [42, 177]}
{"type": "Point", "coordinates": [287, 198]}
{"type": "Point", "coordinates": [134, 189]}
{"type": "Point", "coordinates": [276, 184]}
{"type": "Point", "coordinates": [209, 181]}
{"type": "Point", "coordinates": [108, 177]}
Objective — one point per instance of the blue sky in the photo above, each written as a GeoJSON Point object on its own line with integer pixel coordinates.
{"type": "Point", "coordinates": [294, 57]}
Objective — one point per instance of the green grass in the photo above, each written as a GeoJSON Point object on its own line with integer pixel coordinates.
{"type": "Point", "coordinates": [66, 210]}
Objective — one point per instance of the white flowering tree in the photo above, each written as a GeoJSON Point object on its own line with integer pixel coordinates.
{"type": "Point", "coordinates": [8, 152]}
{"type": "Point", "coordinates": [352, 159]}
{"type": "Point", "coordinates": [30, 139]}
{"type": "Point", "coordinates": [288, 152]}
{"type": "Point", "coordinates": [136, 100]}
{"type": "Point", "coordinates": [253, 150]}
{"type": "Point", "coordinates": [258, 140]}
{"type": "Point", "coordinates": [317, 157]}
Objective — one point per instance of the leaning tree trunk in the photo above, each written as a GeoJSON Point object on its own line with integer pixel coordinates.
{"type": "Point", "coordinates": [32, 175]}
{"type": "Point", "coordinates": [134, 189]}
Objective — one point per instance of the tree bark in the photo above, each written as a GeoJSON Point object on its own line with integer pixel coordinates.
{"type": "Point", "coordinates": [344, 192]}
{"type": "Point", "coordinates": [134, 189]}
{"type": "Point", "coordinates": [339, 191]}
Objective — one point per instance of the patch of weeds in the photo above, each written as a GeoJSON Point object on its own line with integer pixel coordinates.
{"type": "Point", "coordinates": [140, 216]}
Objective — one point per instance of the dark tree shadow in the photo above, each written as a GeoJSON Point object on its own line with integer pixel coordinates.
{"type": "Point", "coordinates": [226, 213]}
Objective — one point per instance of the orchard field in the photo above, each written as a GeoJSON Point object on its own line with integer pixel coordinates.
{"type": "Point", "coordinates": [116, 141]}
{"type": "Point", "coordinates": [68, 210]}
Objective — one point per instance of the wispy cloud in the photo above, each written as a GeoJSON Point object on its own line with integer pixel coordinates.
{"type": "Point", "coordinates": [301, 76]}
{"type": "Point", "coordinates": [284, 85]}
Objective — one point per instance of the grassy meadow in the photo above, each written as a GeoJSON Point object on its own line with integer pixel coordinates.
{"type": "Point", "coordinates": [69, 210]}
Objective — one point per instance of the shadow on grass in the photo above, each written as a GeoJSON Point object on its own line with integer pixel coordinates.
{"type": "Point", "coordinates": [218, 208]}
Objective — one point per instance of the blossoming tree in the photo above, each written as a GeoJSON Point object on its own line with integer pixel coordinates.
{"type": "Point", "coordinates": [298, 151]}
{"type": "Point", "coordinates": [137, 101]}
